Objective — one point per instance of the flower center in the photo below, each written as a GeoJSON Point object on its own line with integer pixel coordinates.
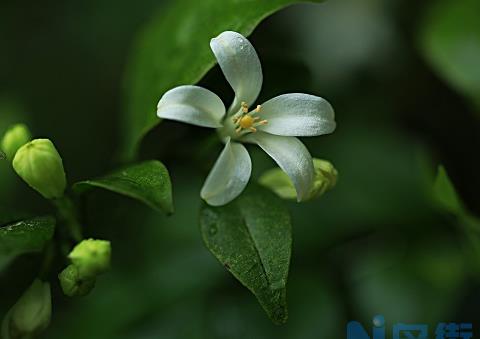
{"type": "Point", "coordinates": [246, 121]}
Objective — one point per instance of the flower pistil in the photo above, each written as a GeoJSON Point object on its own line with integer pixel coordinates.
{"type": "Point", "coordinates": [246, 121]}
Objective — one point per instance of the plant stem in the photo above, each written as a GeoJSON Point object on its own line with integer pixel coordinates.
{"type": "Point", "coordinates": [67, 214]}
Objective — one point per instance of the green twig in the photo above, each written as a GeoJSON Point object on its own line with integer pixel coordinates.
{"type": "Point", "coordinates": [67, 214]}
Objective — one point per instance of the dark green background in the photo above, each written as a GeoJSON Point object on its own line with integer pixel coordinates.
{"type": "Point", "coordinates": [376, 244]}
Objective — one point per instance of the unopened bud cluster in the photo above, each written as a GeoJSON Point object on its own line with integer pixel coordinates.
{"type": "Point", "coordinates": [89, 258]}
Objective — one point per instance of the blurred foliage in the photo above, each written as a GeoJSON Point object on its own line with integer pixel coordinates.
{"type": "Point", "coordinates": [450, 40]}
{"type": "Point", "coordinates": [379, 242]}
{"type": "Point", "coordinates": [444, 193]}
{"type": "Point", "coordinates": [447, 198]}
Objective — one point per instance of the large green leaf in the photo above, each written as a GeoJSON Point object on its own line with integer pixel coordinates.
{"type": "Point", "coordinates": [252, 238]}
{"type": "Point", "coordinates": [148, 182]}
{"type": "Point", "coordinates": [174, 50]}
{"type": "Point", "coordinates": [450, 41]}
{"type": "Point", "coordinates": [24, 236]}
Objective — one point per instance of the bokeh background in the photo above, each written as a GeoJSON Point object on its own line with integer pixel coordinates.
{"type": "Point", "coordinates": [404, 79]}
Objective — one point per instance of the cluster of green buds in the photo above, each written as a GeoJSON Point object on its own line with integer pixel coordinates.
{"type": "Point", "coordinates": [40, 165]}
{"type": "Point", "coordinates": [89, 259]}
{"type": "Point", "coordinates": [37, 161]}
{"type": "Point", "coordinates": [31, 314]}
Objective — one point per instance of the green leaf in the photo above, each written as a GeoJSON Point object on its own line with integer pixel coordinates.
{"type": "Point", "coordinates": [148, 182]}
{"type": "Point", "coordinates": [445, 194]}
{"type": "Point", "coordinates": [174, 49]}
{"type": "Point", "coordinates": [450, 41]}
{"type": "Point", "coordinates": [252, 238]}
{"type": "Point", "coordinates": [24, 236]}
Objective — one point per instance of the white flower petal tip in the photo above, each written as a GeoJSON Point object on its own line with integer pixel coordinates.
{"type": "Point", "coordinates": [240, 65]}
{"type": "Point", "coordinates": [292, 157]}
{"type": "Point", "coordinates": [298, 114]}
{"type": "Point", "coordinates": [229, 175]}
{"type": "Point", "coordinates": [193, 105]}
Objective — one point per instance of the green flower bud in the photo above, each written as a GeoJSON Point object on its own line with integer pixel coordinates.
{"type": "Point", "coordinates": [279, 182]}
{"type": "Point", "coordinates": [325, 177]}
{"type": "Point", "coordinates": [15, 137]}
{"type": "Point", "coordinates": [73, 284]}
{"type": "Point", "coordinates": [40, 166]}
{"type": "Point", "coordinates": [91, 257]}
{"type": "Point", "coordinates": [31, 314]}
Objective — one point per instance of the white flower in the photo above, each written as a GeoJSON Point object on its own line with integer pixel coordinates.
{"type": "Point", "coordinates": [273, 125]}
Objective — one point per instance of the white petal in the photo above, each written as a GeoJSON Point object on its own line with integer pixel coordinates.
{"type": "Point", "coordinates": [192, 104]}
{"type": "Point", "coordinates": [292, 156]}
{"type": "Point", "coordinates": [229, 175]}
{"type": "Point", "coordinates": [298, 114]}
{"type": "Point", "coordinates": [240, 65]}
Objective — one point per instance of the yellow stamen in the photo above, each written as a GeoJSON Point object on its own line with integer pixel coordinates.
{"type": "Point", "coordinates": [246, 121]}
{"type": "Point", "coordinates": [244, 107]}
